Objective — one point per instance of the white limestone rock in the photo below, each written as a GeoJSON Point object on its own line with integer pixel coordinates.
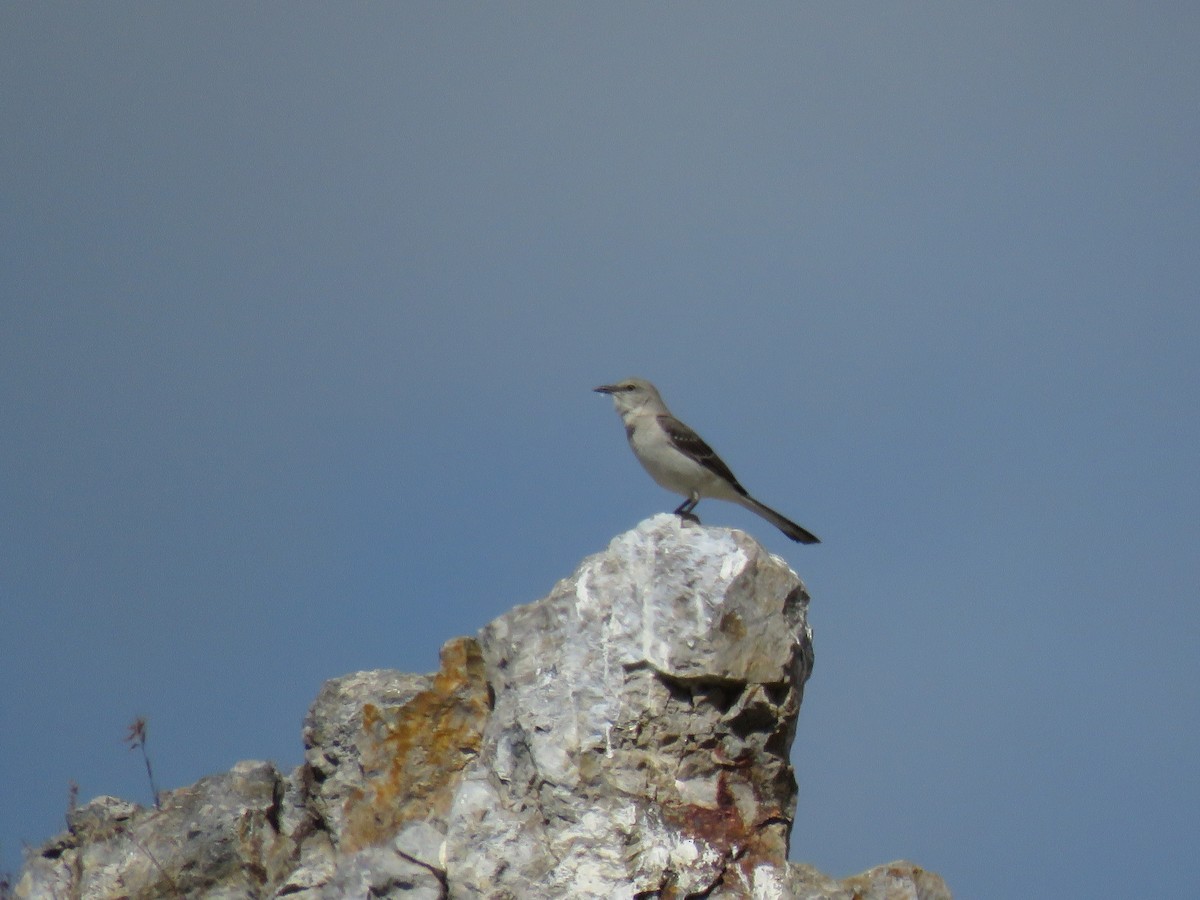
{"type": "Point", "coordinates": [627, 736]}
{"type": "Point", "coordinates": [643, 717]}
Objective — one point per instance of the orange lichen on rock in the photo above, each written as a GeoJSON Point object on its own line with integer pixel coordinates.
{"type": "Point", "coordinates": [413, 755]}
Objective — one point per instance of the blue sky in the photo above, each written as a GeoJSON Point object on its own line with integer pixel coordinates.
{"type": "Point", "coordinates": [300, 310]}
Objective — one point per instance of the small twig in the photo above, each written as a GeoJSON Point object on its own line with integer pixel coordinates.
{"type": "Point", "coordinates": [136, 739]}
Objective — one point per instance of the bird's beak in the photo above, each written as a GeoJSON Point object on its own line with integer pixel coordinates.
{"type": "Point", "coordinates": [606, 389]}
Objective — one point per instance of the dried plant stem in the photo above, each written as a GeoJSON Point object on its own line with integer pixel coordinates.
{"type": "Point", "coordinates": [137, 738]}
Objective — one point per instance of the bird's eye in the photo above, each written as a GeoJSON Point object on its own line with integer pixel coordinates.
{"type": "Point", "coordinates": [628, 387]}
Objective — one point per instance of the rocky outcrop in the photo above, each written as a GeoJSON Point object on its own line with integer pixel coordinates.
{"type": "Point", "coordinates": [627, 736]}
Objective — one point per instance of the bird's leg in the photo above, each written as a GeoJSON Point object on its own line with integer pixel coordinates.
{"type": "Point", "coordinates": [684, 510]}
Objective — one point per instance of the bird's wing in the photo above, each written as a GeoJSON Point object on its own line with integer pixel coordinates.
{"type": "Point", "coordinates": [691, 444]}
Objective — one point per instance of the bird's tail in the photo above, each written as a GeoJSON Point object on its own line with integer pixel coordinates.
{"type": "Point", "coordinates": [784, 524]}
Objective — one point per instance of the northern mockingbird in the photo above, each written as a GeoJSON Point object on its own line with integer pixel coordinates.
{"type": "Point", "coordinates": [679, 460]}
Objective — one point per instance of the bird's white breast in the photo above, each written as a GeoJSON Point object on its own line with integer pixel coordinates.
{"type": "Point", "coordinates": [672, 469]}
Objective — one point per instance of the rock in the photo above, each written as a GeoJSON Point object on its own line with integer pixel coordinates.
{"type": "Point", "coordinates": [218, 838]}
{"type": "Point", "coordinates": [896, 881]}
{"type": "Point", "coordinates": [627, 736]}
{"type": "Point", "coordinates": [644, 714]}
{"type": "Point", "coordinates": [387, 749]}
{"type": "Point", "coordinates": [382, 872]}
{"type": "Point", "coordinates": [387, 752]}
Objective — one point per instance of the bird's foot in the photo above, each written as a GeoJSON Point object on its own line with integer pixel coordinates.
{"type": "Point", "coordinates": [688, 517]}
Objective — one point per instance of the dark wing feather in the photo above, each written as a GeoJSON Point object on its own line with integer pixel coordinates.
{"type": "Point", "coordinates": [693, 445]}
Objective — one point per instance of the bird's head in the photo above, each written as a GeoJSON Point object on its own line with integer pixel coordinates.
{"type": "Point", "coordinates": [633, 395]}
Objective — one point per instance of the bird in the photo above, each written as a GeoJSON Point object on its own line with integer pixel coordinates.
{"type": "Point", "coordinates": [680, 461]}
